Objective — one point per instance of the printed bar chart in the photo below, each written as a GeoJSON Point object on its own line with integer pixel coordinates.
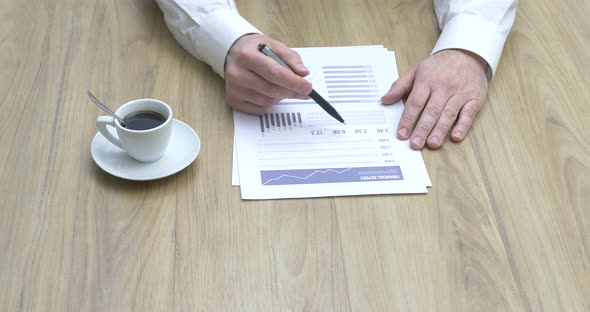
{"type": "Point", "coordinates": [274, 121]}
{"type": "Point", "coordinates": [351, 84]}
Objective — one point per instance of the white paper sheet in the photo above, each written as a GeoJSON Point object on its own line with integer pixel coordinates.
{"type": "Point", "coordinates": [297, 150]}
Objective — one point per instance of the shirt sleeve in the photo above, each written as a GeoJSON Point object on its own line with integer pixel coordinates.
{"type": "Point", "coordinates": [479, 26]}
{"type": "Point", "coordinates": [206, 28]}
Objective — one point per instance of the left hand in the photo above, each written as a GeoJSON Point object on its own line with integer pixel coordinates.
{"type": "Point", "coordinates": [448, 86]}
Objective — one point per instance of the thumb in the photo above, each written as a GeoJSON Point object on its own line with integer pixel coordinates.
{"type": "Point", "coordinates": [292, 59]}
{"type": "Point", "coordinates": [400, 87]}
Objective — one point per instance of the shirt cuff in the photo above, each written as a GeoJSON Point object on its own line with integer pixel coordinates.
{"type": "Point", "coordinates": [218, 32]}
{"type": "Point", "coordinates": [473, 34]}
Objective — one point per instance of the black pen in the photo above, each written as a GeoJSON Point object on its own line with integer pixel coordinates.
{"type": "Point", "coordinates": [314, 95]}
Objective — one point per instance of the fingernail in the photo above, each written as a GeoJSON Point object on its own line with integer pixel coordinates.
{"type": "Point", "coordinates": [302, 67]}
{"type": "Point", "coordinates": [435, 140]}
{"type": "Point", "coordinates": [458, 134]}
{"type": "Point", "coordinates": [418, 142]}
{"type": "Point", "coordinates": [403, 132]}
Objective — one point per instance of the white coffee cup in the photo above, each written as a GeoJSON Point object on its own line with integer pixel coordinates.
{"type": "Point", "coordinates": [143, 145]}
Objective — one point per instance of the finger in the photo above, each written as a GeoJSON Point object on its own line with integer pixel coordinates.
{"type": "Point", "coordinates": [290, 57]}
{"type": "Point", "coordinates": [400, 87]}
{"type": "Point", "coordinates": [249, 79]}
{"type": "Point", "coordinates": [428, 119]}
{"type": "Point", "coordinates": [466, 117]}
{"type": "Point", "coordinates": [273, 72]}
{"type": "Point", "coordinates": [412, 110]}
{"type": "Point", "coordinates": [447, 118]}
{"type": "Point", "coordinates": [251, 96]}
{"type": "Point", "coordinates": [246, 107]}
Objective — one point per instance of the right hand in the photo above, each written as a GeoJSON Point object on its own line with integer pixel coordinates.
{"type": "Point", "coordinates": [255, 82]}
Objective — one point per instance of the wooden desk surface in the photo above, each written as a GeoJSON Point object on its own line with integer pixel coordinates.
{"type": "Point", "coordinates": [506, 226]}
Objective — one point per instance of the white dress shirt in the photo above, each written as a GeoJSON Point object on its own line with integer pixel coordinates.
{"type": "Point", "coordinates": [208, 28]}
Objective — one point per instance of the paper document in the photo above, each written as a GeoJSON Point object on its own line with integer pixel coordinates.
{"type": "Point", "coordinates": [297, 150]}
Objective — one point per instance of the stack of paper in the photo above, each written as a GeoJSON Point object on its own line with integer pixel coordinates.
{"type": "Point", "coordinates": [297, 150]}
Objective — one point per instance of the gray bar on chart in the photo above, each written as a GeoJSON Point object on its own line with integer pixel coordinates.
{"type": "Point", "coordinates": [289, 119]}
{"type": "Point", "coordinates": [283, 119]}
{"type": "Point", "coordinates": [351, 91]}
{"type": "Point", "coordinates": [345, 66]}
{"type": "Point", "coordinates": [351, 86]}
{"type": "Point", "coordinates": [299, 118]}
{"type": "Point", "coordinates": [348, 81]}
{"type": "Point", "coordinates": [261, 124]}
{"type": "Point", "coordinates": [353, 101]}
{"type": "Point", "coordinates": [266, 121]}
{"type": "Point", "coordinates": [348, 76]}
{"type": "Point", "coordinates": [345, 71]}
{"type": "Point", "coordinates": [368, 96]}
{"type": "Point", "coordinates": [294, 118]}
{"type": "Point", "coordinates": [272, 119]}
{"type": "Point", "coordinates": [297, 103]}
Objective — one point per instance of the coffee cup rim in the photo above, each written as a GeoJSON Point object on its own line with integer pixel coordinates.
{"type": "Point", "coordinates": [166, 106]}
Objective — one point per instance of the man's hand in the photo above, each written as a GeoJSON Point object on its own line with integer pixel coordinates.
{"type": "Point", "coordinates": [448, 86]}
{"type": "Point", "coordinates": [254, 81]}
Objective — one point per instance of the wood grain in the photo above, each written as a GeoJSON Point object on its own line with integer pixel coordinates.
{"type": "Point", "coordinates": [506, 226]}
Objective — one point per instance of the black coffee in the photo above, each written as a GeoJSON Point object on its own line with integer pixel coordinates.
{"type": "Point", "coordinates": [143, 120]}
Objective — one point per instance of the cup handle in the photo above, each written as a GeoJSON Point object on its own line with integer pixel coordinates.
{"type": "Point", "coordinates": [101, 124]}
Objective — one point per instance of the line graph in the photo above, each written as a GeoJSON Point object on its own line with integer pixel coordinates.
{"type": "Point", "coordinates": [287, 176]}
{"type": "Point", "coordinates": [330, 175]}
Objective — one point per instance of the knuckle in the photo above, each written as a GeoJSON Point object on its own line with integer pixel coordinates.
{"type": "Point", "coordinates": [239, 58]}
{"type": "Point", "coordinates": [416, 102]}
{"type": "Point", "coordinates": [274, 73]}
{"type": "Point", "coordinates": [441, 131]}
{"type": "Point", "coordinates": [276, 92]}
{"type": "Point", "coordinates": [450, 113]}
{"type": "Point", "coordinates": [407, 120]}
{"type": "Point", "coordinates": [305, 87]}
{"type": "Point", "coordinates": [292, 55]}
{"type": "Point", "coordinates": [243, 54]}
{"type": "Point", "coordinates": [421, 128]}
{"type": "Point", "coordinates": [232, 73]}
{"type": "Point", "coordinates": [432, 111]}
{"type": "Point", "coordinates": [469, 111]}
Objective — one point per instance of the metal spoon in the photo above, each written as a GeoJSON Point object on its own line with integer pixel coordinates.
{"type": "Point", "coordinates": [105, 108]}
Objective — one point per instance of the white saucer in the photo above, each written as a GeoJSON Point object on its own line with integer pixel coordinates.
{"type": "Point", "coordinates": [182, 150]}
